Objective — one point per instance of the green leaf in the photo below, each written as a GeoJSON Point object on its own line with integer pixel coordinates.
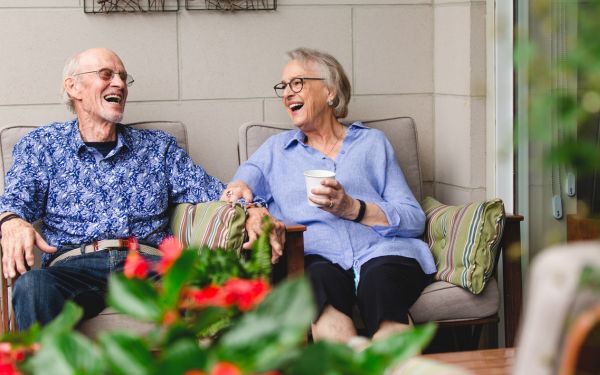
{"type": "Point", "coordinates": [178, 275]}
{"type": "Point", "coordinates": [26, 338]}
{"type": "Point", "coordinates": [66, 353]}
{"type": "Point", "coordinates": [126, 353]}
{"type": "Point", "coordinates": [289, 306]}
{"type": "Point", "coordinates": [217, 266]}
{"type": "Point", "coordinates": [210, 317]}
{"type": "Point", "coordinates": [180, 357]}
{"type": "Point", "coordinates": [386, 353]}
{"type": "Point", "coordinates": [291, 303]}
{"type": "Point", "coordinates": [279, 324]}
{"type": "Point", "coordinates": [259, 262]}
{"type": "Point", "coordinates": [175, 332]}
{"type": "Point", "coordinates": [332, 359]}
{"type": "Point", "coordinates": [61, 325]}
{"type": "Point", "coordinates": [581, 155]}
{"type": "Point", "coordinates": [590, 277]}
{"type": "Point", "coordinates": [134, 297]}
{"type": "Point", "coordinates": [65, 321]}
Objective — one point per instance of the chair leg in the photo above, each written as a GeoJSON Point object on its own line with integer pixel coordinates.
{"type": "Point", "coordinates": [466, 337]}
{"type": "Point", "coordinates": [475, 337]}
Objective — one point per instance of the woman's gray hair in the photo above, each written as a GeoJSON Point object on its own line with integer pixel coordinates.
{"type": "Point", "coordinates": [70, 68]}
{"type": "Point", "coordinates": [333, 72]}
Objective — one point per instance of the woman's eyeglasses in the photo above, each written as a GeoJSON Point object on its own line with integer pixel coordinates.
{"type": "Point", "coordinates": [295, 84]}
{"type": "Point", "coordinates": [106, 74]}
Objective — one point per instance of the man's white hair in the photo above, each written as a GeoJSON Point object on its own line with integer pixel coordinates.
{"type": "Point", "coordinates": [71, 67]}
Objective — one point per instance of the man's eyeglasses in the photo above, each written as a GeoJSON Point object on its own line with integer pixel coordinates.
{"type": "Point", "coordinates": [106, 74]}
{"type": "Point", "coordinates": [295, 84]}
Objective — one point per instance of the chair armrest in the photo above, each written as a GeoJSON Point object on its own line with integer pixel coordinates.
{"type": "Point", "coordinates": [291, 262]}
{"type": "Point", "coordinates": [5, 307]}
{"type": "Point", "coordinates": [8, 323]}
{"type": "Point", "coordinates": [511, 275]}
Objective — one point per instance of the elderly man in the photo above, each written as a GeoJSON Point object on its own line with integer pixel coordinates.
{"type": "Point", "coordinates": [93, 182]}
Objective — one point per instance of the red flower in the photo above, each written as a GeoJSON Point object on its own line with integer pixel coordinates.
{"type": "Point", "coordinates": [9, 369]}
{"type": "Point", "coordinates": [199, 298]}
{"type": "Point", "coordinates": [5, 352]}
{"type": "Point", "coordinates": [135, 266]}
{"type": "Point", "coordinates": [19, 354]}
{"type": "Point", "coordinates": [225, 368]}
{"type": "Point", "coordinates": [170, 317]}
{"type": "Point", "coordinates": [171, 250]}
{"type": "Point", "coordinates": [10, 355]}
{"type": "Point", "coordinates": [245, 293]}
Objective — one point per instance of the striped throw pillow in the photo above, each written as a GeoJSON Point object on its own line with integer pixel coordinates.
{"type": "Point", "coordinates": [464, 240]}
{"type": "Point", "coordinates": [214, 224]}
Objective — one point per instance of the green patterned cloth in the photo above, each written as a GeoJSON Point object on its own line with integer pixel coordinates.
{"type": "Point", "coordinates": [215, 224]}
{"type": "Point", "coordinates": [464, 240]}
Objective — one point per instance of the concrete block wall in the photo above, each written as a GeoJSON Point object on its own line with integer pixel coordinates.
{"type": "Point", "coordinates": [214, 71]}
{"type": "Point", "coordinates": [459, 100]}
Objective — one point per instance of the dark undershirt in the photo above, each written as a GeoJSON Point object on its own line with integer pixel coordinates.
{"type": "Point", "coordinates": [103, 147]}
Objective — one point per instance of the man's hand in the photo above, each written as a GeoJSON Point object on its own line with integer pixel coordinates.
{"type": "Point", "coordinates": [254, 229]}
{"type": "Point", "coordinates": [236, 190]}
{"type": "Point", "coordinates": [18, 239]}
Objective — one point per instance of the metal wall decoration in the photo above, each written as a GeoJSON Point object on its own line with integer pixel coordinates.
{"type": "Point", "coordinates": [128, 6]}
{"type": "Point", "coordinates": [230, 5]}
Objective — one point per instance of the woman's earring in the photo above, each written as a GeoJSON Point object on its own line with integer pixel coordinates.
{"type": "Point", "coordinates": [330, 103]}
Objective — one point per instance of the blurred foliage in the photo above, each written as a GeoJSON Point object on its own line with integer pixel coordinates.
{"type": "Point", "coordinates": [564, 79]}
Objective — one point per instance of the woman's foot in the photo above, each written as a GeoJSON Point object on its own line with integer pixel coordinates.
{"type": "Point", "coordinates": [387, 328]}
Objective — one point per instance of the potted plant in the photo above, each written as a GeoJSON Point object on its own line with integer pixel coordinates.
{"type": "Point", "coordinates": [214, 313]}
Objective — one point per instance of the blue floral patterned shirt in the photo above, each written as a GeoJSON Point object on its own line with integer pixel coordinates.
{"type": "Point", "coordinates": [366, 167]}
{"type": "Point", "coordinates": [81, 196]}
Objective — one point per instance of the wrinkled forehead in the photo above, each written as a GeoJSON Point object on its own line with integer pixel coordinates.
{"type": "Point", "coordinates": [301, 68]}
{"type": "Point", "coordinates": [100, 58]}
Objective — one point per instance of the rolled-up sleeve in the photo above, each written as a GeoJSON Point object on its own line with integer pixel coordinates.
{"type": "Point", "coordinates": [251, 171]}
{"type": "Point", "coordinates": [403, 212]}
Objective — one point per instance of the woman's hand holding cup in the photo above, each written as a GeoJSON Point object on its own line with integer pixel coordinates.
{"type": "Point", "coordinates": [331, 197]}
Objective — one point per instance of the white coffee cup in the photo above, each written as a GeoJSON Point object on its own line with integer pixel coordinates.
{"type": "Point", "coordinates": [313, 179]}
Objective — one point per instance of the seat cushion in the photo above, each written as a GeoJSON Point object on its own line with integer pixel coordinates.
{"type": "Point", "coordinates": [214, 224]}
{"type": "Point", "coordinates": [110, 320]}
{"type": "Point", "coordinates": [445, 302]}
{"type": "Point", "coordinates": [464, 240]}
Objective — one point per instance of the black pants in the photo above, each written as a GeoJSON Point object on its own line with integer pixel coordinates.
{"type": "Point", "coordinates": [388, 286]}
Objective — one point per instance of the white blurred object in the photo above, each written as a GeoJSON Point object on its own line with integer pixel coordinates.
{"type": "Point", "coordinates": [554, 297]}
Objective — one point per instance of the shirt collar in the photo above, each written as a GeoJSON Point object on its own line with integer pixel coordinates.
{"type": "Point", "coordinates": [299, 137]}
{"type": "Point", "coordinates": [79, 144]}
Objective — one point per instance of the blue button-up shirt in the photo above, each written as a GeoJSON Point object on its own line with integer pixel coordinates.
{"type": "Point", "coordinates": [366, 167]}
{"type": "Point", "coordinates": [81, 196]}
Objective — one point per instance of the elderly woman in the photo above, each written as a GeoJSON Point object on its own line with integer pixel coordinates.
{"type": "Point", "coordinates": [361, 244]}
